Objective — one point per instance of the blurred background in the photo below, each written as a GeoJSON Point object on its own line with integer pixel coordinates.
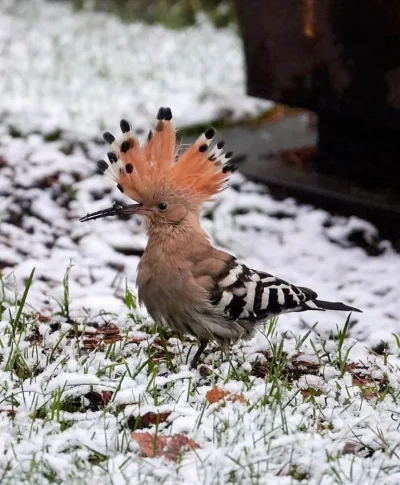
{"type": "Point", "coordinates": [171, 13]}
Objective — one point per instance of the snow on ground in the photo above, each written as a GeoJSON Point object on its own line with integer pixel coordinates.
{"type": "Point", "coordinates": [327, 424]}
{"type": "Point", "coordinates": [79, 73]}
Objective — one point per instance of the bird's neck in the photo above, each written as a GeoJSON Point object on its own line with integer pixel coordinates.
{"type": "Point", "coordinates": [177, 237]}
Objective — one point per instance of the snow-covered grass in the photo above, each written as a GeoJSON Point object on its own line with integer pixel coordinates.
{"type": "Point", "coordinates": [82, 368]}
{"type": "Point", "coordinates": [83, 402]}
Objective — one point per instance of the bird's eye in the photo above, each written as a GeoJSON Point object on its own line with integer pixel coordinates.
{"type": "Point", "coordinates": [162, 206]}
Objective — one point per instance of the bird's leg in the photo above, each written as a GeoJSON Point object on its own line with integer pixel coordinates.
{"type": "Point", "coordinates": [201, 349]}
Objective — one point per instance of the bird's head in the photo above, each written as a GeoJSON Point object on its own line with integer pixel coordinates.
{"type": "Point", "coordinates": [168, 185]}
{"type": "Point", "coordinates": [161, 205]}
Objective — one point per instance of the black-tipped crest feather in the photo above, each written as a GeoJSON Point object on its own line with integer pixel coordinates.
{"type": "Point", "coordinates": [125, 126]}
{"type": "Point", "coordinates": [108, 137]}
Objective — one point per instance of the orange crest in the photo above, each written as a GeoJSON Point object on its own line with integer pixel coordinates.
{"type": "Point", "coordinates": [198, 173]}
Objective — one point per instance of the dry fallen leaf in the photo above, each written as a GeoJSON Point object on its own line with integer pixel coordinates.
{"type": "Point", "coordinates": [155, 418]}
{"type": "Point", "coordinates": [302, 360]}
{"type": "Point", "coordinates": [351, 366]}
{"type": "Point", "coordinates": [139, 422]}
{"type": "Point", "coordinates": [170, 447]}
{"type": "Point", "coordinates": [361, 380]}
{"type": "Point", "coordinates": [91, 344]}
{"type": "Point", "coordinates": [106, 335]}
{"type": "Point", "coordinates": [368, 394]}
{"type": "Point", "coordinates": [135, 340]}
{"type": "Point", "coordinates": [110, 339]}
{"type": "Point", "coordinates": [310, 391]}
{"type": "Point", "coordinates": [150, 445]}
{"type": "Point", "coordinates": [106, 396]}
{"type": "Point", "coordinates": [259, 370]}
{"type": "Point", "coordinates": [350, 448]}
{"type": "Point", "coordinates": [216, 394]}
{"type": "Point", "coordinates": [176, 445]}
{"type": "Point", "coordinates": [237, 398]}
{"type": "Point", "coordinates": [44, 318]}
{"type": "Point", "coordinates": [98, 400]}
{"type": "Point", "coordinates": [109, 329]}
{"type": "Point", "coordinates": [10, 412]}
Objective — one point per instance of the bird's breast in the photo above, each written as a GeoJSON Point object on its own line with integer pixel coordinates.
{"type": "Point", "coordinates": [163, 287]}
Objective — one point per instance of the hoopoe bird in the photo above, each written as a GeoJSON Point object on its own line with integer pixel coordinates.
{"type": "Point", "coordinates": [183, 280]}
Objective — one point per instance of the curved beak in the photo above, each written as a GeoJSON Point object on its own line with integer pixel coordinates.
{"type": "Point", "coordinates": [115, 210]}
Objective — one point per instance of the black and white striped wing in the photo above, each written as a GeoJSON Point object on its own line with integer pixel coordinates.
{"type": "Point", "coordinates": [248, 294]}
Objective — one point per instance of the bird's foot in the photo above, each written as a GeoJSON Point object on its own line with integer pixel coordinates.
{"type": "Point", "coordinates": [195, 361]}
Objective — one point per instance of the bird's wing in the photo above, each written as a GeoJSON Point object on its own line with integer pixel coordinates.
{"type": "Point", "coordinates": [248, 294]}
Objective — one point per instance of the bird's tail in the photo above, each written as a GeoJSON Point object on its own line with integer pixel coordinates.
{"type": "Point", "coordinates": [328, 305]}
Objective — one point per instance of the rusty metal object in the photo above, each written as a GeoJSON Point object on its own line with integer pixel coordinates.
{"type": "Point", "coordinates": [340, 59]}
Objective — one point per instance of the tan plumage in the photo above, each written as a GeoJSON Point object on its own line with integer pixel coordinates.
{"type": "Point", "coordinates": [183, 280]}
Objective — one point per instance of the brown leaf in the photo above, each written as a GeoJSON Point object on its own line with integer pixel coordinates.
{"type": "Point", "coordinates": [94, 330]}
{"type": "Point", "coordinates": [259, 370]}
{"type": "Point", "coordinates": [98, 399]}
{"type": "Point", "coordinates": [237, 398]}
{"type": "Point", "coordinates": [107, 334]}
{"type": "Point", "coordinates": [311, 391]}
{"type": "Point", "coordinates": [350, 448]}
{"type": "Point", "coordinates": [139, 422]}
{"type": "Point", "coordinates": [301, 361]}
{"type": "Point", "coordinates": [351, 366]}
{"type": "Point", "coordinates": [44, 318]}
{"type": "Point", "coordinates": [170, 447]}
{"type": "Point", "coordinates": [150, 445]}
{"type": "Point", "coordinates": [176, 445]}
{"type": "Point", "coordinates": [158, 356]}
{"type": "Point", "coordinates": [91, 344]}
{"type": "Point", "coordinates": [106, 396]}
{"type": "Point", "coordinates": [109, 329]}
{"type": "Point", "coordinates": [265, 353]}
{"type": "Point", "coordinates": [155, 418]}
{"type": "Point", "coordinates": [135, 340]}
{"type": "Point", "coordinates": [368, 394]}
{"type": "Point", "coordinates": [361, 381]}
{"type": "Point", "coordinates": [110, 339]}
{"type": "Point", "coordinates": [10, 412]}
{"type": "Point", "coordinates": [216, 394]}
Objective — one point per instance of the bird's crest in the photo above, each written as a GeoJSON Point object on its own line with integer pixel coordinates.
{"type": "Point", "coordinates": [198, 173]}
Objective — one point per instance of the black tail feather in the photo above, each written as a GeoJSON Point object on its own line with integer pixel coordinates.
{"type": "Point", "coordinates": [331, 305]}
{"type": "Point", "coordinates": [310, 294]}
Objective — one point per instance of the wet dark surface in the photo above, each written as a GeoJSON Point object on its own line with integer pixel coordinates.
{"type": "Point", "coordinates": [283, 155]}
